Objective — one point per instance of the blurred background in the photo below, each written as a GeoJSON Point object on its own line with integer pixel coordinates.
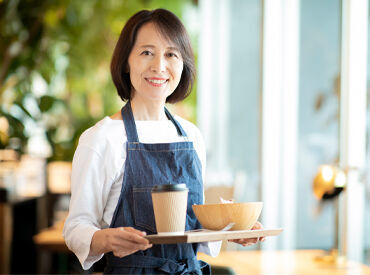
{"type": "Point", "coordinates": [281, 90]}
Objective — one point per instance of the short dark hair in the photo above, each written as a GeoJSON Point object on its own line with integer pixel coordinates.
{"type": "Point", "coordinates": [170, 26]}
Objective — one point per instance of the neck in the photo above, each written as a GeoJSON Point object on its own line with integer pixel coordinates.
{"type": "Point", "coordinates": [147, 110]}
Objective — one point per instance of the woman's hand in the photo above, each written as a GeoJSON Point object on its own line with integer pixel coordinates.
{"type": "Point", "coordinates": [251, 241]}
{"type": "Point", "coordinates": [122, 241]}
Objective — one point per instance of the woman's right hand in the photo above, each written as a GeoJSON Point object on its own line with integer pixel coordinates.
{"type": "Point", "coordinates": [122, 241]}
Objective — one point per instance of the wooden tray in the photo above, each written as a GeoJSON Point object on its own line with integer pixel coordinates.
{"type": "Point", "coordinates": [205, 235]}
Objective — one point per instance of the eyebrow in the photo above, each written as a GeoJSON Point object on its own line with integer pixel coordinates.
{"type": "Point", "coordinates": [169, 48]}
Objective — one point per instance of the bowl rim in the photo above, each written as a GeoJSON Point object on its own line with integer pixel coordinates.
{"type": "Point", "coordinates": [233, 203]}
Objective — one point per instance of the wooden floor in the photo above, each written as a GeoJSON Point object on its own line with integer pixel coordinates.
{"type": "Point", "coordinates": [283, 262]}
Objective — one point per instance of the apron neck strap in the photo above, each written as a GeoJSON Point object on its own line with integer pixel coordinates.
{"type": "Point", "coordinates": [129, 122]}
{"type": "Point", "coordinates": [180, 130]}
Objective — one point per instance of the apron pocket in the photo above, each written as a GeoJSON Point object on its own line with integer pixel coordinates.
{"type": "Point", "coordinates": [143, 208]}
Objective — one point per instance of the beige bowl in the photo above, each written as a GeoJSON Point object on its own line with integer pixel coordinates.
{"type": "Point", "coordinates": [217, 216]}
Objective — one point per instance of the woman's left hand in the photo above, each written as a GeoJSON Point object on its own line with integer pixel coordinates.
{"type": "Point", "coordinates": [251, 241]}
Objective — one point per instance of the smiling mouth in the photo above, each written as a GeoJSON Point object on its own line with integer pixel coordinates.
{"type": "Point", "coordinates": [156, 82]}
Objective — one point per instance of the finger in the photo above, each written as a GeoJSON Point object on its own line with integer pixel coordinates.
{"type": "Point", "coordinates": [129, 246]}
{"type": "Point", "coordinates": [243, 242]}
{"type": "Point", "coordinates": [251, 240]}
{"type": "Point", "coordinates": [133, 230]}
{"type": "Point", "coordinates": [233, 240]}
{"type": "Point", "coordinates": [131, 242]}
{"type": "Point", "coordinates": [257, 225]}
{"type": "Point", "coordinates": [133, 235]}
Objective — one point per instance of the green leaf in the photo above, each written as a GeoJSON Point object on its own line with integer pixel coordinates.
{"type": "Point", "coordinates": [46, 102]}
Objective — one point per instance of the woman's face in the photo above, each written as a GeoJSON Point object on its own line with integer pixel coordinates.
{"type": "Point", "coordinates": [155, 65]}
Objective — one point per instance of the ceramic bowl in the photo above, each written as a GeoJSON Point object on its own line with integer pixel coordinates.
{"type": "Point", "coordinates": [216, 216]}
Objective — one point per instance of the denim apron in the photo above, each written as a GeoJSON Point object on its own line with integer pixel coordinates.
{"type": "Point", "coordinates": [148, 165]}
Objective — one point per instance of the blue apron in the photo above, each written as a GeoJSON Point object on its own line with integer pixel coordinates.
{"type": "Point", "coordinates": [148, 165]}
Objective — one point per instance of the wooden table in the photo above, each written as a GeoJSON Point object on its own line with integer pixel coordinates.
{"type": "Point", "coordinates": [51, 239]}
{"type": "Point", "coordinates": [282, 262]}
{"type": "Point", "coordinates": [295, 262]}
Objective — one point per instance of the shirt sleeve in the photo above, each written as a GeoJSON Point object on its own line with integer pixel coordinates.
{"type": "Point", "coordinates": [210, 248]}
{"type": "Point", "coordinates": [89, 183]}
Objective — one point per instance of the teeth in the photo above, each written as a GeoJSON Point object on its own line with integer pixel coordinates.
{"type": "Point", "coordinates": [155, 81]}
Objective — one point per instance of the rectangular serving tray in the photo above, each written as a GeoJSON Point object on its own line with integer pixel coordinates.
{"type": "Point", "coordinates": [205, 235]}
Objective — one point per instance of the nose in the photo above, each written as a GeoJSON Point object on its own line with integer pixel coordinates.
{"type": "Point", "coordinates": [159, 64]}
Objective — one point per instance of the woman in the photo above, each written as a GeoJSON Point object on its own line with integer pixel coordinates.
{"type": "Point", "coordinates": [138, 147]}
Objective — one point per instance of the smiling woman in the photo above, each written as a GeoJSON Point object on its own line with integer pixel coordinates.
{"type": "Point", "coordinates": [120, 159]}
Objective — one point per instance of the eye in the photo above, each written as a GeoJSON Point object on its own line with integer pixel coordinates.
{"type": "Point", "coordinates": [172, 55]}
{"type": "Point", "coordinates": [146, 53]}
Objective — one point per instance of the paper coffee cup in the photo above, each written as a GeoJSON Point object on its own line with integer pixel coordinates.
{"type": "Point", "coordinates": [169, 205]}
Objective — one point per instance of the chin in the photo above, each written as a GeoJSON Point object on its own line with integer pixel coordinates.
{"type": "Point", "coordinates": [154, 96]}
{"type": "Point", "coordinates": [157, 97]}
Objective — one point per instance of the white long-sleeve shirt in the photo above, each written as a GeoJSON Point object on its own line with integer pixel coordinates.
{"type": "Point", "coordinates": [97, 174]}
